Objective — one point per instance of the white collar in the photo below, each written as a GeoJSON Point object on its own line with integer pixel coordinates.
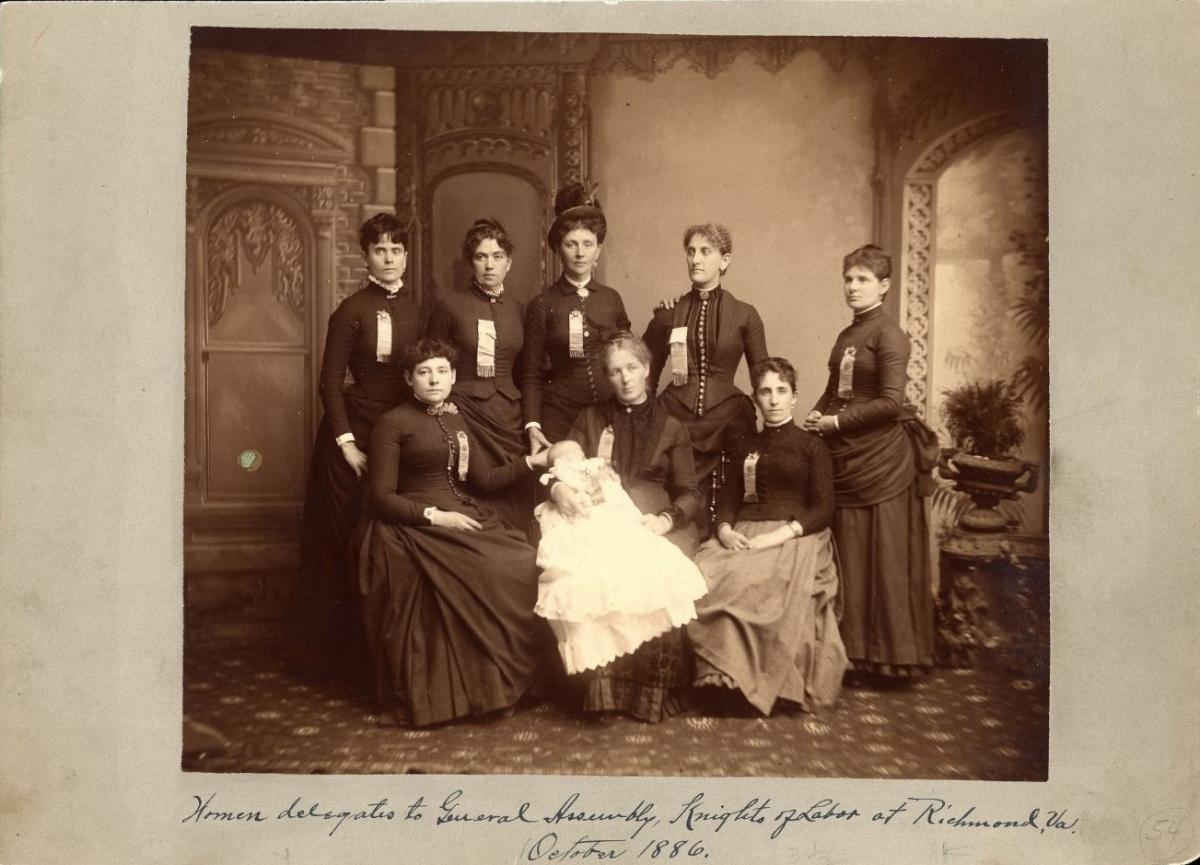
{"type": "Point", "coordinates": [583, 284]}
{"type": "Point", "coordinates": [786, 420]}
{"type": "Point", "coordinates": [390, 289]}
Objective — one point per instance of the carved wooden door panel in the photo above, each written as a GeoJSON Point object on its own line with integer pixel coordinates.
{"type": "Point", "coordinates": [251, 409]}
{"type": "Point", "coordinates": [260, 267]}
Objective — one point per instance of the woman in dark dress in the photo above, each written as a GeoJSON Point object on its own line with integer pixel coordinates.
{"type": "Point", "coordinates": [448, 589]}
{"type": "Point", "coordinates": [367, 334]}
{"type": "Point", "coordinates": [767, 626]}
{"type": "Point", "coordinates": [488, 330]}
{"type": "Point", "coordinates": [653, 456]}
{"type": "Point", "coordinates": [879, 521]}
{"type": "Point", "coordinates": [702, 337]}
{"type": "Point", "coordinates": [567, 325]}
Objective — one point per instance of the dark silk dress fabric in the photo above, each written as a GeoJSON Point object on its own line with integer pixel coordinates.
{"type": "Point", "coordinates": [327, 623]}
{"type": "Point", "coordinates": [768, 625]}
{"type": "Point", "coordinates": [555, 386]}
{"type": "Point", "coordinates": [879, 521]}
{"type": "Point", "coordinates": [449, 613]}
{"type": "Point", "coordinates": [490, 405]}
{"type": "Point", "coordinates": [733, 330]}
{"type": "Point", "coordinates": [653, 456]}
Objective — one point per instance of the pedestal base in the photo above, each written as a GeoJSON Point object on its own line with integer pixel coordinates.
{"type": "Point", "coordinates": [994, 602]}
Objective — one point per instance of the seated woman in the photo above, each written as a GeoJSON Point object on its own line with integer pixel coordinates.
{"type": "Point", "coordinates": [449, 590]}
{"type": "Point", "coordinates": [767, 627]}
{"type": "Point", "coordinates": [652, 454]}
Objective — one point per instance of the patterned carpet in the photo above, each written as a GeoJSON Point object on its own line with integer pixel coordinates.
{"type": "Point", "coordinates": [954, 724]}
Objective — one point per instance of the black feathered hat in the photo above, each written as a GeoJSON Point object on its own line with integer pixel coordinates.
{"type": "Point", "coordinates": [574, 204]}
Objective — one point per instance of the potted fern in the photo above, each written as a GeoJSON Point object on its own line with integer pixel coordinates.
{"type": "Point", "coordinates": [984, 421]}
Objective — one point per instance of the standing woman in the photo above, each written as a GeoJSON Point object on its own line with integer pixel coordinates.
{"type": "Point", "coordinates": [879, 520]}
{"type": "Point", "coordinates": [488, 331]}
{"type": "Point", "coordinates": [448, 589]}
{"type": "Point", "coordinates": [704, 335]}
{"type": "Point", "coordinates": [768, 627]}
{"type": "Point", "coordinates": [367, 334]}
{"type": "Point", "coordinates": [568, 324]}
{"type": "Point", "coordinates": [652, 454]}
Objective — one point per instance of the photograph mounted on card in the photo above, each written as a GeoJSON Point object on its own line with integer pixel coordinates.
{"type": "Point", "coordinates": [363, 601]}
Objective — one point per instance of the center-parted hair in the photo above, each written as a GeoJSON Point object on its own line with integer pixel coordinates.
{"type": "Point", "coordinates": [424, 349]}
{"type": "Point", "coordinates": [872, 258]}
{"type": "Point", "coordinates": [483, 229]}
{"type": "Point", "coordinates": [379, 226]}
{"type": "Point", "coordinates": [625, 341]}
{"type": "Point", "coordinates": [777, 365]}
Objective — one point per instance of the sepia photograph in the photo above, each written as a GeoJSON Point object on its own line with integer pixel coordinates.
{"type": "Point", "coordinates": [513, 432]}
{"type": "Point", "coordinates": [601, 403]}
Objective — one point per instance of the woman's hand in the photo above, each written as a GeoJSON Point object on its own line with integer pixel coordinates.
{"type": "Point", "coordinates": [539, 460]}
{"type": "Point", "coordinates": [772, 538]}
{"type": "Point", "coordinates": [571, 502]}
{"type": "Point", "coordinates": [660, 524]}
{"type": "Point", "coordinates": [356, 458]}
{"type": "Point", "coordinates": [826, 424]}
{"type": "Point", "coordinates": [666, 303]}
{"type": "Point", "coordinates": [537, 441]}
{"type": "Point", "coordinates": [454, 520]}
{"type": "Point", "coordinates": [731, 538]}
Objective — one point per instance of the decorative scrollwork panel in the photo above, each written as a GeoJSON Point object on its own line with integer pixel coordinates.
{"type": "Point", "coordinates": [257, 230]}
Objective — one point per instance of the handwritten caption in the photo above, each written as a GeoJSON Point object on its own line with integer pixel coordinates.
{"type": "Point", "coordinates": [644, 830]}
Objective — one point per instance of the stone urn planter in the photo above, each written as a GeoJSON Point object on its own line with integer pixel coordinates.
{"type": "Point", "coordinates": [988, 482]}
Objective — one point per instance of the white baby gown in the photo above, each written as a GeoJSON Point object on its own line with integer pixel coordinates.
{"type": "Point", "coordinates": [608, 583]}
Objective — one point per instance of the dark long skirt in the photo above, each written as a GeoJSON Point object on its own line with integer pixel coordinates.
{"type": "Point", "coordinates": [559, 413]}
{"type": "Point", "coordinates": [650, 683]}
{"type": "Point", "coordinates": [327, 632]}
{"type": "Point", "coordinates": [449, 618]}
{"type": "Point", "coordinates": [496, 428]}
{"type": "Point", "coordinates": [714, 433]}
{"type": "Point", "coordinates": [887, 613]}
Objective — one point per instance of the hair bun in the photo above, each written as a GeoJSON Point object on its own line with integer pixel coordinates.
{"type": "Point", "coordinates": [488, 222]}
{"type": "Point", "coordinates": [576, 195]}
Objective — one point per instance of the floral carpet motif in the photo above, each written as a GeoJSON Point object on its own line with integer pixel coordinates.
{"type": "Point", "coordinates": [952, 724]}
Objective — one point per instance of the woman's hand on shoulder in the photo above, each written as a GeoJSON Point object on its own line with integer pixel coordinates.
{"type": "Point", "coordinates": [667, 303]}
{"type": "Point", "coordinates": [821, 424]}
{"type": "Point", "coordinates": [731, 538]}
{"type": "Point", "coordinates": [454, 520]}
{"type": "Point", "coordinates": [356, 458]}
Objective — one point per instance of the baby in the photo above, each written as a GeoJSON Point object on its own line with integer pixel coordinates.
{"type": "Point", "coordinates": [608, 583]}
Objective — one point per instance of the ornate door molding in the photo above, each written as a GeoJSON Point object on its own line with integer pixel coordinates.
{"type": "Point", "coordinates": [530, 122]}
{"type": "Point", "coordinates": [918, 247]}
{"type": "Point", "coordinates": [261, 217]}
